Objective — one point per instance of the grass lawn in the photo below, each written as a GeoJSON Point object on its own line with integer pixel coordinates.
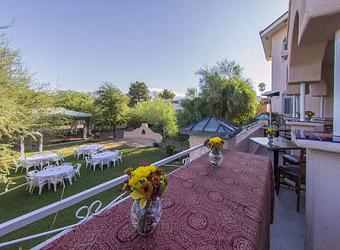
{"type": "Point", "coordinates": [19, 202]}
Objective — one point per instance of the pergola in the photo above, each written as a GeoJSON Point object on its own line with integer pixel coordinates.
{"type": "Point", "coordinates": [57, 112]}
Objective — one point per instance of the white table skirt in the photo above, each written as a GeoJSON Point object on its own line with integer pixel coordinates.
{"type": "Point", "coordinates": [89, 148]}
{"type": "Point", "coordinates": [54, 172]}
{"type": "Point", "coordinates": [105, 156]}
{"type": "Point", "coordinates": [36, 159]}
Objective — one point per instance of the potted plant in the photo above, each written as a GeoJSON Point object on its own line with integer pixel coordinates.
{"type": "Point", "coordinates": [146, 185]}
{"type": "Point", "coordinates": [215, 144]}
{"type": "Point", "coordinates": [309, 115]}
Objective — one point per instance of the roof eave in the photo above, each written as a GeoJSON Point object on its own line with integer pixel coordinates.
{"type": "Point", "coordinates": [266, 34]}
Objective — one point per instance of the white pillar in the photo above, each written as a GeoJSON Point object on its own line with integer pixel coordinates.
{"type": "Point", "coordinates": [22, 146]}
{"type": "Point", "coordinates": [41, 143]}
{"type": "Point", "coordinates": [294, 106]}
{"type": "Point", "coordinates": [302, 101]}
{"type": "Point", "coordinates": [336, 97]}
{"type": "Point", "coordinates": [321, 106]}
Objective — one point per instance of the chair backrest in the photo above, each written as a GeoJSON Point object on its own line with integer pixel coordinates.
{"type": "Point", "coordinates": [32, 173]}
{"type": "Point", "coordinates": [77, 167]}
{"type": "Point", "coordinates": [29, 178]}
{"type": "Point", "coordinates": [87, 159]}
{"type": "Point", "coordinates": [16, 164]}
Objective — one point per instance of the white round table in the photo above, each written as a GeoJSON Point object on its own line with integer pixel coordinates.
{"type": "Point", "coordinates": [89, 148]}
{"type": "Point", "coordinates": [36, 159]}
{"type": "Point", "coordinates": [54, 171]}
{"type": "Point", "coordinates": [104, 156]}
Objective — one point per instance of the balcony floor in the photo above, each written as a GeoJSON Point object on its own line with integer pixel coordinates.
{"type": "Point", "coordinates": [287, 232]}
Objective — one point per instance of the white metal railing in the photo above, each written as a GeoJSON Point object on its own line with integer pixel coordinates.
{"type": "Point", "coordinates": [26, 219]}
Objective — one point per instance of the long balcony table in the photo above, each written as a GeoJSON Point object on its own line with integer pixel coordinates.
{"type": "Point", "coordinates": [279, 144]}
{"type": "Point", "coordinates": [230, 207]}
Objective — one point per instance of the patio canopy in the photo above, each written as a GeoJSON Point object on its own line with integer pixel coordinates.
{"type": "Point", "coordinates": [66, 112]}
{"type": "Point", "coordinates": [271, 93]}
{"type": "Point", "coordinates": [212, 126]}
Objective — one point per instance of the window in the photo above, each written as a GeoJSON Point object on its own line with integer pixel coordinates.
{"type": "Point", "coordinates": [285, 44]}
{"type": "Point", "coordinates": [287, 105]}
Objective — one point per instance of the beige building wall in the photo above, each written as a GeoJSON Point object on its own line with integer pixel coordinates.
{"type": "Point", "coordinates": [279, 69]}
{"type": "Point", "coordinates": [279, 80]}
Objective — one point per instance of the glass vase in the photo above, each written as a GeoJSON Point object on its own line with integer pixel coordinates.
{"type": "Point", "coordinates": [270, 139]}
{"type": "Point", "coordinates": [145, 220]}
{"type": "Point", "coordinates": [215, 157]}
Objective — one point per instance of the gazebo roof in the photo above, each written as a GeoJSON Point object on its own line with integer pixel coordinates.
{"type": "Point", "coordinates": [66, 112]}
{"type": "Point", "coordinates": [212, 126]}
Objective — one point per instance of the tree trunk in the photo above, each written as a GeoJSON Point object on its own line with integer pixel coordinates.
{"type": "Point", "coordinates": [114, 131]}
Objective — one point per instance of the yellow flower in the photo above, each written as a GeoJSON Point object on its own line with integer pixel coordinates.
{"type": "Point", "coordinates": [215, 140]}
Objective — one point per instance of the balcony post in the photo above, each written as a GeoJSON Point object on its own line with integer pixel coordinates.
{"type": "Point", "coordinates": [302, 101]}
{"type": "Point", "coordinates": [294, 106]}
{"type": "Point", "coordinates": [336, 97]}
{"type": "Point", "coordinates": [321, 107]}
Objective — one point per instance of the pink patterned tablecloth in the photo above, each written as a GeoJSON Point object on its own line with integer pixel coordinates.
{"type": "Point", "coordinates": [230, 207]}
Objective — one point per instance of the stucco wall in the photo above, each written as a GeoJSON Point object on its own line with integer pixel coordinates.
{"type": "Point", "coordinates": [279, 81]}
{"type": "Point", "coordinates": [143, 132]}
{"type": "Point", "coordinates": [322, 200]}
{"type": "Point", "coordinates": [279, 69]}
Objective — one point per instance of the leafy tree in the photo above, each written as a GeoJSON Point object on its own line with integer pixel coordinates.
{"type": "Point", "coordinates": [191, 105]}
{"type": "Point", "coordinates": [22, 106]}
{"type": "Point", "coordinates": [224, 92]}
{"type": "Point", "coordinates": [262, 86]}
{"type": "Point", "coordinates": [138, 92]}
{"type": "Point", "coordinates": [73, 100]}
{"type": "Point", "coordinates": [158, 113]}
{"type": "Point", "coordinates": [113, 105]}
{"type": "Point", "coordinates": [167, 94]}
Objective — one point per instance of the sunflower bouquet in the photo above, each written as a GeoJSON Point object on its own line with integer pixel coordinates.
{"type": "Point", "coordinates": [214, 144]}
{"type": "Point", "coordinates": [271, 132]}
{"type": "Point", "coordinates": [146, 184]}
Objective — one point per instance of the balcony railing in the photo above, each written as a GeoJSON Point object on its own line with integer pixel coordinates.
{"type": "Point", "coordinates": [95, 208]}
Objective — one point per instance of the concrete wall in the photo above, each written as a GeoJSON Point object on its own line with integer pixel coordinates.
{"type": "Point", "coordinates": [243, 143]}
{"type": "Point", "coordinates": [322, 200]}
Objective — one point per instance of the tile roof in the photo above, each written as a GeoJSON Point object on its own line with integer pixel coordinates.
{"type": "Point", "coordinates": [212, 126]}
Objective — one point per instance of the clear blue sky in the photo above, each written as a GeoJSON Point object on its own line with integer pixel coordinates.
{"type": "Point", "coordinates": [79, 44]}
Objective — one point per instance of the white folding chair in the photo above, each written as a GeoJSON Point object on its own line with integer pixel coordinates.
{"type": "Point", "coordinates": [95, 163]}
{"type": "Point", "coordinates": [27, 165]}
{"type": "Point", "coordinates": [17, 165]}
{"type": "Point", "coordinates": [76, 169]}
{"type": "Point", "coordinates": [69, 176]}
{"type": "Point", "coordinates": [60, 159]}
{"type": "Point", "coordinates": [120, 156]}
{"type": "Point", "coordinates": [55, 180]}
{"type": "Point", "coordinates": [30, 180]}
{"type": "Point", "coordinates": [41, 182]}
{"type": "Point", "coordinates": [87, 160]}
{"type": "Point", "coordinates": [107, 163]}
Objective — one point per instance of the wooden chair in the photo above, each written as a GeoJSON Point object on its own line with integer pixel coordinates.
{"type": "Point", "coordinates": [293, 176]}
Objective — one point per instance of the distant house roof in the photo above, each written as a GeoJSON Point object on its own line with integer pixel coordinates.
{"type": "Point", "coordinates": [212, 126]}
{"type": "Point", "coordinates": [271, 93]}
{"type": "Point", "coordinates": [266, 34]}
{"type": "Point", "coordinates": [66, 112]}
